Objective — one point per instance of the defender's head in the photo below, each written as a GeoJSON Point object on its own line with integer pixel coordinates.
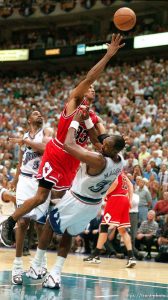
{"type": "Point", "coordinates": [112, 145]}
{"type": "Point", "coordinates": [35, 118]}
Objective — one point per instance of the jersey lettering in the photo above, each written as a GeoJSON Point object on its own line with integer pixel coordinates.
{"type": "Point", "coordinates": [99, 186]}
{"type": "Point", "coordinates": [29, 156]}
{"type": "Point", "coordinates": [124, 183]}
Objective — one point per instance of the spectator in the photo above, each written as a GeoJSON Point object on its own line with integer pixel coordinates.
{"type": "Point", "coordinates": [145, 200]}
{"type": "Point", "coordinates": [161, 207]}
{"type": "Point", "coordinates": [147, 232]}
{"type": "Point", "coordinates": [163, 243]}
{"type": "Point", "coordinates": [90, 235]}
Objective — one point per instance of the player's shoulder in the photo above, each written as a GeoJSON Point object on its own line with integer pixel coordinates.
{"type": "Point", "coordinates": [48, 131]}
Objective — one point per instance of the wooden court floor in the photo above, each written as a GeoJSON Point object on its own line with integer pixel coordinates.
{"type": "Point", "coordinates": [83, 281]}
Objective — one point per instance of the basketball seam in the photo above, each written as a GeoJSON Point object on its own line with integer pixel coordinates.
{"type": "Point", "coordinates": [125, 22]}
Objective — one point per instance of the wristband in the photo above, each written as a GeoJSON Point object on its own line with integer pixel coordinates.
{"type": "Point", "coordinates": [75, 125]}
{"type": "Point", "coordinates": [89, 124]}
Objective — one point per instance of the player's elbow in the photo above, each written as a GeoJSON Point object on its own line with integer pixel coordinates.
{"type": "Point", "coordinates": [68, 146]}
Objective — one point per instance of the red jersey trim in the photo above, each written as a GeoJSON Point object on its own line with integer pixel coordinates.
{"type": "Point", "coordinates": [58, 144]}
{"type": "Point", "coordinates": [66, 117]}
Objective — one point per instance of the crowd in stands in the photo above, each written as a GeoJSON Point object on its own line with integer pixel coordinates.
{"type": "Point", "coordinates": [131, 100]}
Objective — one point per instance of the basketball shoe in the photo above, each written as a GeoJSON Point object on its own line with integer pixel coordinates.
{"type": "Point", "coordinates": [92, 259]}
{"type": "Point", "coordinates": [6, 232]}
{"type": "Point", "coordinates": [52, 282]}
{"type": "Point", "coordinates": [131, 262]}
{"type": "Point", "coordinates": [17, 273]}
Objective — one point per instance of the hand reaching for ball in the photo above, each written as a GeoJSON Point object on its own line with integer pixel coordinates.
{"type": "Point", "coordinates": [115, 44]}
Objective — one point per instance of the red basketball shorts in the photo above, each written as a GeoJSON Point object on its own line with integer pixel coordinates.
{"type": "Point", "coordinates": [116, 211]}
{"type": "Point", "coordinates": [58, 166]}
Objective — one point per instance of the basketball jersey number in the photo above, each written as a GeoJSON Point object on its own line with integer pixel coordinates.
{"type": "Point", "coordinates": [36, 165]}
{"type": "Point", "coordinates": [81, 135]}
{"type": "Point", "coordinates": [124, 183]}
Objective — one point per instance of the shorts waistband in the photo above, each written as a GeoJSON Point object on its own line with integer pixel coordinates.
{"type": "Point", "coordinates": [118, 195]}
{"type": "Point", "coordinates": [86, 200]}
{"type": "Point", "coordinates": [27, 174]}
{"type": "Point", "coordinates": [58, 143]}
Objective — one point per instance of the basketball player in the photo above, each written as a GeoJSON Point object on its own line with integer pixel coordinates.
{"type": "Point", "coordinates": [116, 214]}
{"type": "Point", "coordinates": [82, 202]}
{"type": "Point", "coordinates": [32, 147]}
{"type": "Point", "coordinates": [58, 168]}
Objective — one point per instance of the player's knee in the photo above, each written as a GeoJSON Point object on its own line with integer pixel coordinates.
{"type": "Point", "coordinates": [104, 228]}
{"type": "Point", "coordinates": [42, 196]}
{"type": "Point", "coordinates": [23, 224]}
{"type": "Point", "coordinates": [122, 231]}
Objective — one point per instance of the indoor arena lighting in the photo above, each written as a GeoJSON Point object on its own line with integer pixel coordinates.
{"type": "Point", "coordinates": [151, 40]}
{"type": "Point", "coordinates": [14, 55]}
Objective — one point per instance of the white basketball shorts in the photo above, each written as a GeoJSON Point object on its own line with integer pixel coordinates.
{"type": "Point", "coordinates": [72, 214]}
{"type": "Point", "coordinates": [27, 188]}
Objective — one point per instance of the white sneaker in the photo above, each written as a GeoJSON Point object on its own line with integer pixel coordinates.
{"type": "Point", "coordinates": [34, 272]}
{"type": "Point", "coordinates": [17, 273]}
{"type": "Point", "coordinates": [131, 262]}
{"type": "Point", "coordinates": [52, 283]}
{"type": "Point", "coordinates": [43, 271]}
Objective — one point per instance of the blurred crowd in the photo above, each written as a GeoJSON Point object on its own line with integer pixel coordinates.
{"type": "Point", "coordinates": [51, 37]}
{"type": "Point", "coordinates": [131, 99]}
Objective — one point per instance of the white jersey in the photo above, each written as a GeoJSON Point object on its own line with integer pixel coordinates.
{"type": "Point", "coordinates": [31, 159]}
{"type": "Point", "coordinates": [91, 187]}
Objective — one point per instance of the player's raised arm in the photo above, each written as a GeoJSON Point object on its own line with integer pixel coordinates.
{"type": "Point", "coordinates": [86, 85]}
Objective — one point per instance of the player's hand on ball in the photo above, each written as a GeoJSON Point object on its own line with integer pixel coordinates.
{"type": "Point", "coordinates": [116, 44]}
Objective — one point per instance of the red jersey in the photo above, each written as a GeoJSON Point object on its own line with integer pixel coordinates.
{"type": "Point", "coordinates": [57, 165]}
{"type": "Point", "coordinates": [122, 187]}
{"type": "Point", "coordinates": [82, 133]}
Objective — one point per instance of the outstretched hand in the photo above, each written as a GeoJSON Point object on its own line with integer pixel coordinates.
{"type": "Point", "coordinates": [115, 44]}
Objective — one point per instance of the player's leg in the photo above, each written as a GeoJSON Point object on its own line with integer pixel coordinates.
{"type": "Point", "coordinates": [39, 229]}
{"type": "Point", "coordinates": [8, 225]}
{"type": "Point", "coordinates": [35, 270]}
{"type": "Point", "coordinates": [128, 244]}
{"type": "Point", "coordinates": [94, 258]}
{"type": "Point", "coordinates": [53, 279]}
{"type": "Point", "coordinates": [17, 269]}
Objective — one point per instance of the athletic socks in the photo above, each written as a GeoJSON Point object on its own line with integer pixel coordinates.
{"type": "Point", "coordinates": [18, 263]}
{"type": "Point", "coordinates": [57, 268]}
{"type": "Point", "coordinates": [39, 258]}
{"type": "Point", "coordinates": [96, 252]}
{"type": "Point", "coordinates": [130, 253]}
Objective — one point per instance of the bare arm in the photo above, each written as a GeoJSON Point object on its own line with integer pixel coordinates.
{"type": "Point", "coordinates": [130, 189]}
{"type": "Point", "coordinates": [96, 131]}
{"type": "Point", "coordinates": [39, 147]}
{"type": "Point", "coordinates": [92, 159]}
{"type": "Point", "coordinates": [112, 187]}
{"type": "Point", "coordinates": [15, 180]}
{"type": "Point", "coordinates": [77, 94]}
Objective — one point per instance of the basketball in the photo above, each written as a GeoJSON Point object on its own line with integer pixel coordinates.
{"type": "Point", "coordinates": [124, 19]}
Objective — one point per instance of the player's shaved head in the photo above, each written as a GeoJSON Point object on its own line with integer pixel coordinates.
{"type": "Point", "coordinates": [112, 145]}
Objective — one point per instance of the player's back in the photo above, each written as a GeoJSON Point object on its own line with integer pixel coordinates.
{"type": "Point", "coordinates": [122, 187]}
{"type": "Point", "coordinates": [94, 187]}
